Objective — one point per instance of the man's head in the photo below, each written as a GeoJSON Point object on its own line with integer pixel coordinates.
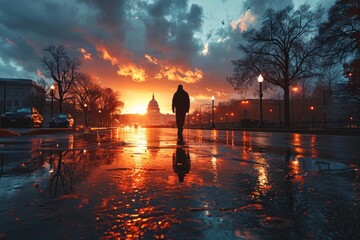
{"type": "Point", "coordinates": [180, 87]}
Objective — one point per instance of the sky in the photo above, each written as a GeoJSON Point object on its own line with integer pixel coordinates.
{"type": "Point", "coordinates": [136, 47]}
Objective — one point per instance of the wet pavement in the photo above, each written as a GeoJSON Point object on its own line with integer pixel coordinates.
{"type": "Point", "coordinates": [137, 183]}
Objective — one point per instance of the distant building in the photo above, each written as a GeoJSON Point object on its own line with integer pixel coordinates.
{"type": "Point", "coordinates": [152, 118]}
{"type": "Point", "coordinates": [155, 118]}
{"type": "Point", "coordinates": [153, 112]}
{"type": "Point", "coordinates": [21, 92]}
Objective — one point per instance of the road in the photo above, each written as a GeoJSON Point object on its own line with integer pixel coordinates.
{"type": "Point", "coordinates": [139, 183]}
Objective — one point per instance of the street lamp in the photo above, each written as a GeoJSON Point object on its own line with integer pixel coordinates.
{"type": "Point", "coordinates": [52, 88]}
{"type": "Point", "coordinates": [85, 112]}
{"type": "Point", "coordinates": [294, 90]}
{"type": "Point", "coordinates": [312, 108]}
{"type": "Point", "coordinates": [100, 118]}
{"type": "Point", "coordinates": [213, 111]}
{"type": "Point", "coordinates": [260, 80]}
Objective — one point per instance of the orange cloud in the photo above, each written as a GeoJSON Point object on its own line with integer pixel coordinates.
{"type": "Point", "coordinates": [86, 55]}
{"type": "Point", "coordinates": [151, 59]}
{"type": "Point", "coordinates": [203, 97]}
{"type": "Point", "coordinates": [106, 56]}
{"type": "Point", "coordinates": [243, 22]}
{"type": "Point", "coordinates": [135, 72]}
{"type": "Point", "coordinates": [216, 93]}
{"type": "Point", "coordinates": [40, 74]}
{"type": "Point", "coordinates": [173, 73]}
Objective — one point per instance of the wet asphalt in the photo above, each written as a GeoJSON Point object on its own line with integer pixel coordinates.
{"type": "Point", "coordinates": [139, 183]}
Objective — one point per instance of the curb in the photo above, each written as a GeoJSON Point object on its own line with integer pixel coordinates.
{"type": "Point", "coordinates": [8, 133]}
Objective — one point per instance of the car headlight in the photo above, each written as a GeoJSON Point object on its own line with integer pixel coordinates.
{"type": "Point", "coordinates": [27, 116]}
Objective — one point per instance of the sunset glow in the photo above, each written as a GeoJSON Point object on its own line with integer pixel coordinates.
{"type": "Point", "coordinates": [135, 47]}
{"type": "Point", "coordinates": [135, 72]}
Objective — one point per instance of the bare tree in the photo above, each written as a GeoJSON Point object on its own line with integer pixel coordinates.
{"type": "Point", "coordinates": [283, 51]}
{"type": "Point", "coordinates": [109, 103]}
{"type": "Point", "coordinates": [87, 91]}
{"type": "Point", "coordinates": [340, 34]}
{"type": "Point", "coordinates": [62, 69]}
{"type": "Point", "coordinates": [352, 73]}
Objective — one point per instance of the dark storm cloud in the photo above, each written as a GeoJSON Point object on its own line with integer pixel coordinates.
{"type": "Point", "coordinates": [164, 28]}
{"type": "Point", "coordinates": [110, 14]}
{"type": "Point", "coordinates": [39, 18]}
{"type": "Point", "coordinates": [26, 27]}
{"type": "Point", "coordinates": [170, 29]}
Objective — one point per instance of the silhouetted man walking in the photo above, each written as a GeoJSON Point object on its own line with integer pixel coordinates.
{"type": "Point", "coordinates": [180, 105]}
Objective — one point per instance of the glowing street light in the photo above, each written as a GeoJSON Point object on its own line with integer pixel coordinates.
{"type": "Point", "coordinates": [85, 112]}
{"type": "Point", "coordinates": [294, 91]}
{"type": "Point", "coordinates": [260, 80]}
{"type": "Point", "coordinates": [312, 108]}
{"type": "Point", "coordinates": [52, 88]}
{"type": "Point", "coordinates": [101, 122]}
{"type": "Point", "coordinates": [245, 103]}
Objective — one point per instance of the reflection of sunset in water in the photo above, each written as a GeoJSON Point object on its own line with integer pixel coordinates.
{"type": "Point", "coordinates": [129, 210]}
{"type": "Point", "coordinates": [214, 135]}
{"type": "Point", "coordinates": [141, 183]}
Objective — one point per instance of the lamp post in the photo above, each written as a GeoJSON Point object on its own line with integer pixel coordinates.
{"type": "Point", "coordinates": [52, 88]}
{"type": "Point", "coordinates": [260, 80]}
{"type": "Point", "coordinates": [100, 118]}
{"type": "Point", "coordinates": [85, 112]}
{"type": "Point", "coordinates": [213, 111]}
{"type": "Point", "coordinates": [294, 90]}
{"type": "Point", "coordinates": [312, 108]}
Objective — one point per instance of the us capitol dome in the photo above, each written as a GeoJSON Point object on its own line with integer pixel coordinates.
{"type": "Point", "coordinates": [154, 117]}
{"type": "Point", "coordinates": [153, 106]}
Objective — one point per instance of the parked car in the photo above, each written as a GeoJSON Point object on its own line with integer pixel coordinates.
{"type": "Point", "coordinates": [22, 117]}
{"type": "Point", "coordinates": [62, 120]}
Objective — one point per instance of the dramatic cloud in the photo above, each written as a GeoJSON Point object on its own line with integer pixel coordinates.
{"type": "Point", "coordinates": [40, 74]}
{"type": "Point", "coordinates": [177, 74]}
{"type": "Point", "coordinates": [243, 22]}
{"type": "Point", "coordinates": [132, 45]}
{"type": "Point", "coordinates": [151, 59]}
{"type": "Point", "coordinates": [86, 55]}
{"type": "Point", "coordinates": [135, 72]}
{"type": "Point", "coordinates": [104, 54]}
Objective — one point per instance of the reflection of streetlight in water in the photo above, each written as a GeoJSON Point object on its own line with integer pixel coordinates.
{"type": "Point", "coordinates": [262, 173]}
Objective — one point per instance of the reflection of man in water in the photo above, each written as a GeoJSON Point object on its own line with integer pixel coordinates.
{"type": "Point", "coordinates": [181, 163]}
{"type": "Point", "coordinates": [180, 105]}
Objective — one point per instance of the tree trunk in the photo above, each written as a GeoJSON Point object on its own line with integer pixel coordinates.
{"type": "Point", "coordinates": [286, 108]}
{"type": "Point", "coordinates": [61, 104]}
